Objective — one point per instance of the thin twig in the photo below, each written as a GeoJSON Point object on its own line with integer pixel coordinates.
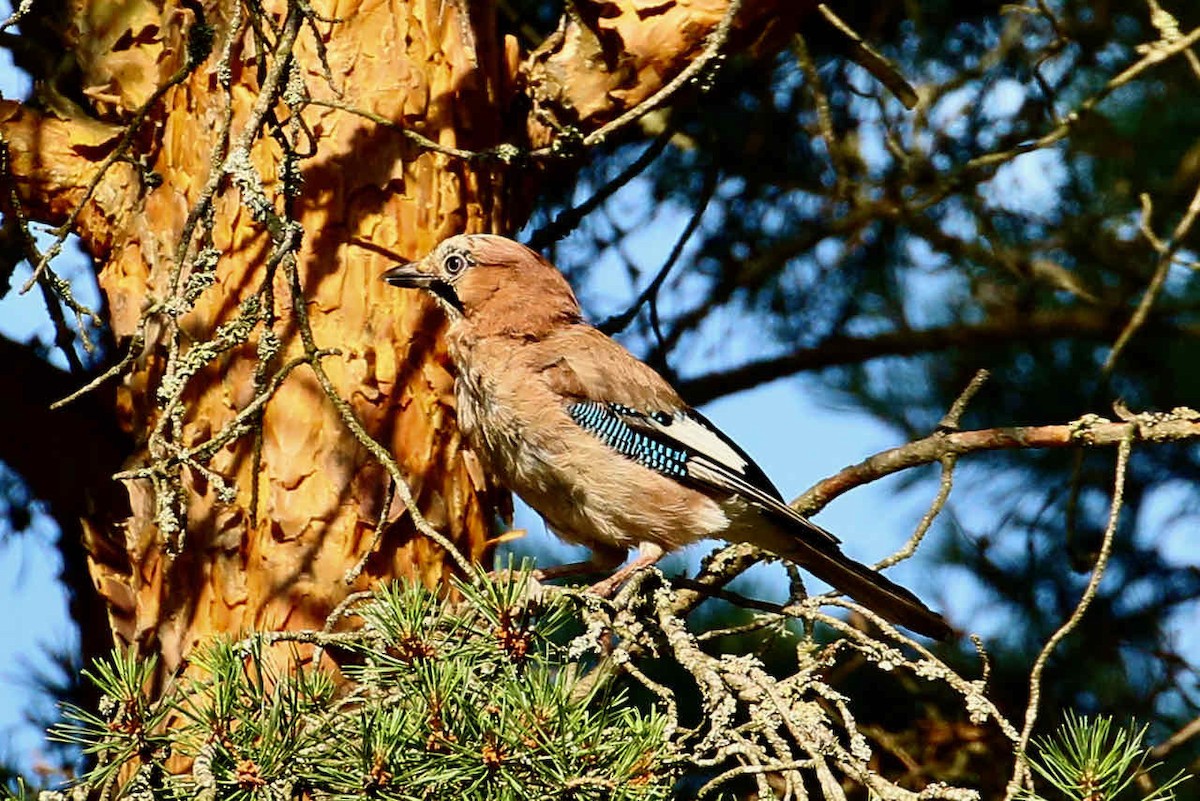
{"type": "Point", "coordinates": [954, 414]}
{"type": "Point", "coordinates": [340, 611]}
{"type": "Point", "coordinates": [568, 219]}
{"type": "Point", "coordinates": [946, 483]}
{"type": "Point", "coordinates": [1177, 739]}
{"type": "Point", "coordinates": [356, 570]}
{"type": "Point", "coordinates": [987, 164]}
{"type": "Point", "coordinates": [1021, 771]}
{"type": "Point", "coordinates": [833, 145]}
{"type": "Point", "coordinates": [618, 322]}
{"type": "Point", "coordinates": [1166, 259]}
{"type": "Point", "coordinates": [55, 291]}
{"type": "Point", "coordinates": [351, 422]}
{"type": "Point", "coordinates": [872, 60]}
{"type": "Point", "coordinates": [136, 343]}
{"type": "Point", "coordinates": [422, 141]}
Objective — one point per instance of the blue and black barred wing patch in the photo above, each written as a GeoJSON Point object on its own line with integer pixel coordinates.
{"type": "Point", "coordinates": [686, 447]}
{"type": "Point", "coordinates": [608, 422]}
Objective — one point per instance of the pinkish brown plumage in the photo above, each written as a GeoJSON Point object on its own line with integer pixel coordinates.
{"type": "Point", "coordinates": [598, 442]}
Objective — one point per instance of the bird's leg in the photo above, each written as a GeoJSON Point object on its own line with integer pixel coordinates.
{"type": "Point", "coordinates": [602, 560]}
{"type": "Point", "coordinates": [648, 554]}
{"type": "Point", "coordinates": [569, 569]}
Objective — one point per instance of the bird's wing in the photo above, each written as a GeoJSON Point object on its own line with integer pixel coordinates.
{"type": "Point", "coordinates": [624, 402]}
{"type": "Point", "coordinates": [685, 446]}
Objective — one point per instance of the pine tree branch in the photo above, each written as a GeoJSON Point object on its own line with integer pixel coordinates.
{"type": "Point", "coordinates": [1178, 425]}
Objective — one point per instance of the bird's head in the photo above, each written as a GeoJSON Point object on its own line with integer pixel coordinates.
{"type": "Point", "coordinates": [492, 284]}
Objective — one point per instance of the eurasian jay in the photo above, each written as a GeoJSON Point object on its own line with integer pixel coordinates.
{"type": "Point", "coordinates": [598, 442]}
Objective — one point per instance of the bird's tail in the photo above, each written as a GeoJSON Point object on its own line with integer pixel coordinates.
{"type": "Point", "coordinates": [869, 587]}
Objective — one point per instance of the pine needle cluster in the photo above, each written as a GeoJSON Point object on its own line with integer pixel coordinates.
{"type": "Point", "coordinates": [470, 700]}
{"type": "Point", "coordinates": [1088, 760]}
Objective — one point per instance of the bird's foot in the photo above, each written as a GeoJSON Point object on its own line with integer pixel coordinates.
{"type": "Point", "coordinates": [648, 554]}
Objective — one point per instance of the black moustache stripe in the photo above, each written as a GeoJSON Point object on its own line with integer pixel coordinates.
{"type": "Point", "coordinates": [446, 292]}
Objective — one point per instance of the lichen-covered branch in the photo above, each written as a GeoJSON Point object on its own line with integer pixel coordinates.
{"type": "Point", "coordinates": [1178, 425]}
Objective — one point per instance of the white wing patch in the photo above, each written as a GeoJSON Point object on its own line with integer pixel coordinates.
{"type": "Point", "coordinates": [698, 438]}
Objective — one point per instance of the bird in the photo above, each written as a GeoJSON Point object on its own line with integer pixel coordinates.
{"type": "Point", "coordinates": [600, 444]}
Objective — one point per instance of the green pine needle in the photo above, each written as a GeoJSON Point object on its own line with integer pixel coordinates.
{"type": "Point", "coordinates": [1087, 760]}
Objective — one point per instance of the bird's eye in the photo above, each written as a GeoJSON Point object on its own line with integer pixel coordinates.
{"type": "Point", "coordinates": [454, 264]}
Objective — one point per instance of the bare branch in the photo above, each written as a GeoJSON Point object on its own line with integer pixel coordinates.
{"type": "Point", "coordinates": [1166, 258]}
{"type": "Point", "coordinates": [649, 294]}
{"type": "Point", "coordinates": [872, 60]}
{"type": "Point", "coordinates": [1021, 772]}
{"type": "Point", "coordinates": [1087, 323]}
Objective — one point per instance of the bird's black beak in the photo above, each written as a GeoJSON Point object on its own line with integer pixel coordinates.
{"type": "Point", "coordinates": [408, 275]}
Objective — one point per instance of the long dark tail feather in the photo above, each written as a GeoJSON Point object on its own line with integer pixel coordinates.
{"type": "Point", "coordinates": [869, 587]}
